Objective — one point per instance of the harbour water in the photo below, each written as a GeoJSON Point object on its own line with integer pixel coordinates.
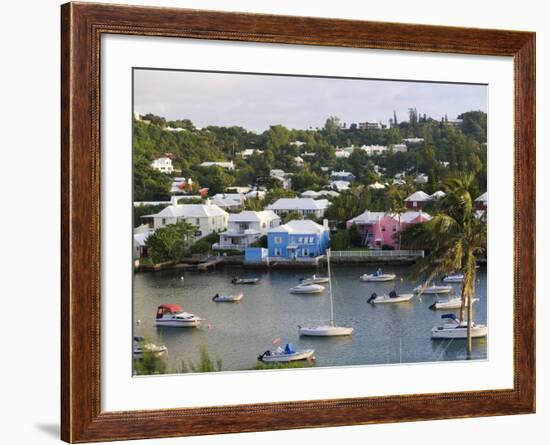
{"type": "Point", "coordinates": [237, 332]}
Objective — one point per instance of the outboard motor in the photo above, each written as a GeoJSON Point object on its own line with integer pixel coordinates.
{"type": "Point", "coordinates": [432, 307]}
{"type": "Point", "coordinates": [265, 354]}
{"type": "Point", "coordinates": [215, 297]}
{"type": "Point", "coordinates": [393, 294]}
{"type": "Point", "coordinates": [372, 297]}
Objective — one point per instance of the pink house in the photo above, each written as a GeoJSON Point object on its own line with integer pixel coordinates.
{"type": "Point", "coordinates": [386, 228]}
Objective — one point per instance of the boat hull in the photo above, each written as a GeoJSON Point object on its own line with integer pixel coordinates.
{"type": "Point", "coordinates": [377, 278]}
{"type": "Point", "coordinates": [228, 298]}
{"type": "Point", "coordinates": [478, 331]}
{"type": "Point", "coordinates": [325, 331]}
{"type": "Point", "coordinates": [454, 303]}
{"type": "Point", "coordinates": [307, 289]}
{"type": "Point", "coordinates": [386, 299]}
{"type": "Point", "coordinates": [434, 290]}
{"type": "Point", "coordinates": [285, 358]}
{"type": "Point", "coordinates": [177, 323]}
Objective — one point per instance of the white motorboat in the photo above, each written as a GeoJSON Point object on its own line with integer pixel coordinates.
{"type": "Point", "coordinates": [314, 280]}
{"type": "Point", "coordinates": [393, 297]}
{"type": "Point", "coordinates": [377, 276]}
{"type": "Point", "coordinates": [173, 316]}
{"type": "Point", "coordinates": [456, 278]}
{"type": "Point", "coordinates": [227, 298]}
{"type": "Point", "coordinates": [449, 303]}
{"type": "Point", "coordinates": [140, 346]}
{"type": "Point", "coordinates": [433, 289]}
{"type": "Point", "coordinates": [286, 354]}
{"type": "Point", "coordinates": [238, 280]}
{"type": "Point", "coordinates": [307, 289]}
{"type": "Point", "coordinates": [330, 330]}
{"type": "Point", "coordinates": [456, 329]}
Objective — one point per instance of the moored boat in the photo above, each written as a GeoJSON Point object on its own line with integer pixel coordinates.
{"type": "Point", "coordinates": [433, 289]}
{"type": "Point", "coordinates": [227, 298]}
{"type": "Point", "coordinates": [393, 297]}
{"type": "Point", "coordinates": [457, 329]}
{"type": "Point", "coordinates": [140, 346]}
{"type": "Point", "coordinates": [377, 276]}
{"type": "Point", "coordinates": [238, 280]}
{"type": "Point", "coordinates": [449, 303]}
{"type": "Point", "coordinates": [314, 280]}
{"type": "Point", "coordinates": [173, 316]}
{"type": "Point", "coordinates": [286, 354]}
{"type": "Point", "coordinates": [307, 289]}
{"type": "Point", "coordinates": [456, 278]}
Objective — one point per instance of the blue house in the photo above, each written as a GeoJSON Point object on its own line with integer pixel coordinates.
{"type": "Point", "coordinates": [342, 176]}
{"type": "Point", "coordinates": [298, 240]}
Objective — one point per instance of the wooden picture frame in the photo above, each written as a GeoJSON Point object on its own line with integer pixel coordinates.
{"type": "Point", "coordinates": [82, 26]}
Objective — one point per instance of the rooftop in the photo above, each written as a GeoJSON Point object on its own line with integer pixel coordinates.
{"type": "Point", "coordinates": [298, 204]}
{"type": "Point", "coordinates": [299, 227]}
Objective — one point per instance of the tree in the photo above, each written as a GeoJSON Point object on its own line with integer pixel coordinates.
{"type": "Point", "coordinates": [170, 243]}
{"type": "Point", "coordinates": [454, 237]}
{"type": "Point", "coordinates": [290, 216]}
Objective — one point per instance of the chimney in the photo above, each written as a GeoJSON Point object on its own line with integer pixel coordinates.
{"type": "Point", "coordinates": [174, 200]}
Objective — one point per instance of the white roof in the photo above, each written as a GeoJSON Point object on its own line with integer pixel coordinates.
{"type": "Point", "coordinates": [411, 215]}
{"type": "Point", "coordinates": [249, 215]}
{"type": "Point", "coordinates": [367, 217]}
{"type": "Point", "coordinates": [140, 238]}
{"type": "Point", "coordinates": [418, 196]}
{"type": "Point", "coordinates": [234, 196]}
{"type": "Point", "coordinates": [225, 202]}
{"type": "Point", "coordinates": [437, 195]}
{"type": "Point", "coordinates": [276, 172]}
{"type": "Point", "coordinates": [482, 198]}
{"type": "Point", "coordinates": [191, 211]}
{"type": "Point", "coordinates": [298, 204]}
{"type": "Point", "coordinates": [310, 194]}
{"type": "Point", "coordinates": [377, 186]}
{"type": "Point", "coordinates": [341, 174]}
{"type": "Point", "coordinates": [295, 226]}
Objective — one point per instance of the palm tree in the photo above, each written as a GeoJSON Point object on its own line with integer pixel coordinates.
{"type": "Point", "coordinates": [394, 199]}
{"type": "Point", "coordinates": [454, 237]}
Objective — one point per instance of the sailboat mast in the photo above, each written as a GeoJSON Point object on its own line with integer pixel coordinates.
{"type": "Point", "coordinates": [330, 288]}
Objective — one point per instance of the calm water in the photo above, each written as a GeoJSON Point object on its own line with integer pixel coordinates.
{"type": "Point", "coordinates": [238, 332]}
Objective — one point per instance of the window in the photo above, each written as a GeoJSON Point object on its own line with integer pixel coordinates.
{"type": "Point", "coordinates": [277, 251]}
{"type": "Point", "coordinates": [163, 221]}
{"type": "Point", "coordinates": [277, 240]}
{"type": "Point", "coordinates": [415, 204]}
{"type": "Point", "coordinates": [305, 252]}
{"type": "Point", "coordinates": [300, 240]}
{"type": "Point", "coordinates": [383, 228]}
{"type": "Point", "coordinates": [197, 222]}
{"type": "Point", "coordinates": [394, 229]}
{"type": "Point", "coordinates": [311, 240]}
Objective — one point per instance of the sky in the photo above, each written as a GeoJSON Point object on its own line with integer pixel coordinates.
{"type": "Point", "coordinates": [255, 101]}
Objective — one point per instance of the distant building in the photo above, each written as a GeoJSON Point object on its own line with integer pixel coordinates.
{"type": "Point", "coordinates": [369, 125]}
{"type": "Point", "coordinates": [437, 195]}
{"type": "Point", "coordinates": [417, 200]}
{"type": "Point", "coordinates": [207, 218]}
{"type": "Point", "coordinates": [342, 176]}
{"type": "Point", "coordinates": [306, 206]}
{"type": "Point", "coordinates": [365, 223]}
{"type": "Point", "coordinates": [399, 148]}
{"type": "Point", "coordinates": [181, 185]}
{"type": "Point", "coordinates": [255, 194]}
{"type": "Point", "coordinates": [421, 178]}
{"type": "Point", "coordinates": [454, 122]}
{"type": "Point", "coordinates": [163, 165]}
{"type": "Point", "coordinates": [340, 186]}
{"type": "Point", "coordinates": [377, 186]}
{"type": "Point", "coordinates": [247, 227]}
{"type": "Point", "coordinates": [297, 143]}
{"type": "Point", "coordinates": [413, 140]}
{"type": "Point", "coordinates": [249, 152]}
{"type": "Point", "coordinates": [174, 130]}
{"type": "Point", "coordinates": [298, 161]}
{"type": "Point", "coordinates": [374, 149]}
{"type": "Point", "coordinates": [224, 165]}
{"type": "Point", "coordinates": [284, 178]}
{"type": "Point", "coordinates": [481, 202]}
{"type": "Point", "coordinates": [298, 240]}
{"type": "Point", "coordinates": [141, 234]}
{"type": "Point", "coordinates": [386, 229]}
{"type": "Point", "coordinates": [342, 154]}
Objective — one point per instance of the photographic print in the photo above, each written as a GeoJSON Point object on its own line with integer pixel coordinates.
{"type": "Point", "coordinates": [284, 221]}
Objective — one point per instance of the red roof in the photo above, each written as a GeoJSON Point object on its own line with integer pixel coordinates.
{"type": "Point", "coordinates": [172, 308]}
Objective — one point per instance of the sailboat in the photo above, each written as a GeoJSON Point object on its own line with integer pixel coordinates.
{"type": "Point", "coordinates": [330, 330]}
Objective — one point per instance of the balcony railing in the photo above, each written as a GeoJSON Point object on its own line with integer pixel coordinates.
{"type": "Point", "coordinates": [378, 253]}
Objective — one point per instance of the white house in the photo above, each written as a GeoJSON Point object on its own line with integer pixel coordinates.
{"type": "Point", "coordinates": [247, 227]}
{"type": "Point", "coordinates": [141, 234]}
{"type": "Point", "coordinates": [340, 186]}
{"type": "Point", "coordinates": [342, 154]}
{"type": "Point", "coordinates": [374, 149]}
{"type": "Point", "coordinates": [310, 194]}
{"type": "Point", "coordinates": [413, 140]}
{"type": "Point", "coordinates": [377, 186]}
{"type": "Point", "coordinates": [163, 165]}
{"type": "Point", "coordinates": [255, 194]}
{"type": "Point", "coordinates": [437, 195]}
{"type": "Point", "coordinates": [399, 148]}
{"type": "Point", "coordinates": [297, 143]}
{"type": "Point", "coordinates": [249, 152]}
{"type": "Point", "coordinates": [228, 201]}
{"type": "Point", "coordinates": [421, 178]}
{"type": "Point", "coordinates": [369, 125]}
{"type": "Point", "coordinates": [225, 165]}
{"type": "Point", "coordinates": [181, 185]}
{"type": "Point", "coordinates": [284, 178]}
{"type": "Point", "coordinates": [299, 161]}
{"type": "Point", "coordinates": [207, 218]}
{"type": "Point", "coordinates": [306, 206]}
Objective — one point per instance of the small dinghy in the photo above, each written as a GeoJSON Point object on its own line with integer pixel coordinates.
{"type": "Point", "coordinates": [325, 331]}
{"type": "Point", "coordinates": [433, 289]}
{"type": "Point", "coordinates": [450, 303]}
{"type": "Point", "coordinates": [377, 276]}
{"type": "Point", "coordinates": [456, 278]}
{"type": "Point", "coordinates": [227, 298]}
{"type": "Point", "coordinates": [307, 288]}
{"type": "Point", "coordinates": [238, 280]}
{"type": "Point", "coordinates": [393, 297]}
{"type": "Point", "coordinates": [314, 280]}
{"type": "Point", "coordinates": [286, 354]}
{"type": "Point", "coordinates": [173, 316]}
{"type": "Point", "coordinates": [457, 329]}
{"type": "Point", "coordinates": [141, 346]}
